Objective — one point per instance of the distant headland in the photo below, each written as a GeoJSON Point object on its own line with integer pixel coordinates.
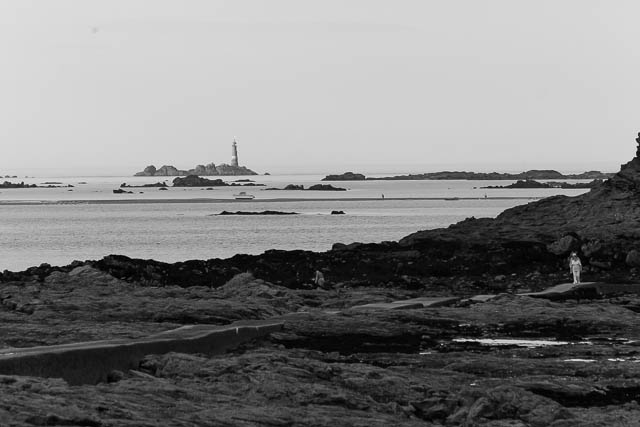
{"type": "Point", "coordinates": [480, 176]}
{"type": "Point", "coordinates": [202, 170]}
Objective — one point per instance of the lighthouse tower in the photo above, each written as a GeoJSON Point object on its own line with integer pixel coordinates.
{"type": "Point", "coordinates": [234, 152]}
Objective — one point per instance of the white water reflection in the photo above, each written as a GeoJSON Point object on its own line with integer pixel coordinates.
{"type": "Point", "coordinates": [517, 342]}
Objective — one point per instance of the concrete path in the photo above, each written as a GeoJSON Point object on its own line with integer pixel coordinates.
{"type": "Point", "coordinates": [91, 362]}
{"type": "Point", "coordinates": [561, 291]}
{"type": "Point", "coordinates": [409, 303]}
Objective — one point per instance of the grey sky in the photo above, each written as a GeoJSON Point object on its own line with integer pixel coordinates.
{"type": "Point", "coordinates": [324, 86]}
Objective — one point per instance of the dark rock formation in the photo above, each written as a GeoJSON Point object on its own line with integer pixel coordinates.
{"type": "Point", "coordinates": [530, 183]}
{"type": "Point", "coordinates": [293, 187]}
{"type": "Point", "coordinates": [196, 181]}
{"type": "Point", "coordinates": [8, 184]}
{"type": "Point", "coordinates": [325, 187]}
{"type": "Point", "coordinates": [493, 176]}
{"type": "Point", "coordinates": [208, 170]}
{"type": "Point", "coordinates": [155, 184]}
{"type": "Point", "coordinates": [257, 213]}
{"type": "Point", "coordinates": [605, 217]}
{"type": "Point", "coordinates": [315, 187]}
{"type": "Point", "coordinates": [347, 176]}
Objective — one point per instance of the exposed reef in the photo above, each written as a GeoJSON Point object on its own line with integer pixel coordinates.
{"type": "Point", "coordinates": [224, 213]}
{"type": "Point", "coordinates": [196, 181]}
{"type": "Point", "coordinates": [315, 187]}
{"type": "Point", "coordinates": [204, 170]}
{"type": "Point", "coordinates": [155, 184]}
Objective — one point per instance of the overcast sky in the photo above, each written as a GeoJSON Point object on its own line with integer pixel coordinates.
{"type": "Point", "coordinates": [323, 86]}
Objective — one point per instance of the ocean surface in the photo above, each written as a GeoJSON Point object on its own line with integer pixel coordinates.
{"type": "Point", "coordinates": [89, 221]}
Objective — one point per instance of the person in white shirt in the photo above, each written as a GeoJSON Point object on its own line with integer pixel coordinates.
{"type": "Point", "coordinates": [575, 267]}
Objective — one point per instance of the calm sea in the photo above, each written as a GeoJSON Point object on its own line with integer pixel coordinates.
{"type": "Point", "coordinates": [89, 221]}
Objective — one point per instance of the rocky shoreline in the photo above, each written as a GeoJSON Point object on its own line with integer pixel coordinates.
{"type": "Point", "coordinates": [499, 360]}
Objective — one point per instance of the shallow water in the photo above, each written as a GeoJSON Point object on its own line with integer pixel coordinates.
{"type": "Point", "coordinates": [58, 226]}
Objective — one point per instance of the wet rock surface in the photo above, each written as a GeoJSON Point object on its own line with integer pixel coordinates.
{"type": "Point", "coordinates": [331, 364]}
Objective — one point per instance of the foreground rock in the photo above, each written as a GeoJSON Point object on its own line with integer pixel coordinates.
{"type": "Point", "coordinates": [352, 368]}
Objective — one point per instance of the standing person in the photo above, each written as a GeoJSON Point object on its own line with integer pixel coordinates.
{"type": "Point", "coordinates": [319, 279]}
{"type": "Point", "coordinates": [575, 267]}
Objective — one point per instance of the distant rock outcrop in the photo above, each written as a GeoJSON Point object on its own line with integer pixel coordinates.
{"type": "Point", "coordinates": [347, 176]}
{"type": "Point", "coordinates": [225, 213]}
{"type": "Point", "coordinates": [196, 181]}
{"type": "Point", "coordinates": [155, 184]}
{"type": "Point", "coordinates": [530, 183]}
{"type": "Point", "coordinates": [8, 184]}
{"type": "Point", "coordinates": [204, 170]}
{"type": "Point", "coordinates": [315, 187]}
{"type": "Point", "coordinates": [478, 176]}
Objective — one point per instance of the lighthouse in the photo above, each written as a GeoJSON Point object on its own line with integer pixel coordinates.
{"type": "Point", "coordinates": [234, 153]}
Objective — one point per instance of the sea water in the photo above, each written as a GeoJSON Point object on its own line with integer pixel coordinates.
{"type": "Point", "coordinates": [89, 221]}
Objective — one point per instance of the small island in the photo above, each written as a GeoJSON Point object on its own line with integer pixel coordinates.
{"type": "Point", "coordinates": [155, 184]}
{"type": "Point", "coordinates": [529, 183]}
{"type": "Point", "coordinates": [204, 170]}
{"type": "Point", "coordinates": [478, 176]}
{"type": "Point", "coordinates": [8, 184]}
{"type": "Point", "coordinates": [315, 187]}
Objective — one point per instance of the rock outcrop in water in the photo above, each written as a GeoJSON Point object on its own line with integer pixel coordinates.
{"type": "Point", "coordinates": [478, 360]}
{"type": "Point", "coordinates": [530, 183]}
{"type": "Point", "coordinates": [208, 170]}
{"type": "Point", "coordinates": [478, 176]}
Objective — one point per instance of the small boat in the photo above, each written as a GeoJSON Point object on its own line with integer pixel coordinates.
{"type": "Point", "coordinates": [452, 198]}
{"type": "Point", "coordinates": [243, 196]}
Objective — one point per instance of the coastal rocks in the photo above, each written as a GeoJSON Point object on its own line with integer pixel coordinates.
{"type": "Point", "coordinates": [608, 214]}
{"type": "Point", "coordinates": [633, 258]}
{"type": "Point", "coordinates": [564, 245]}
